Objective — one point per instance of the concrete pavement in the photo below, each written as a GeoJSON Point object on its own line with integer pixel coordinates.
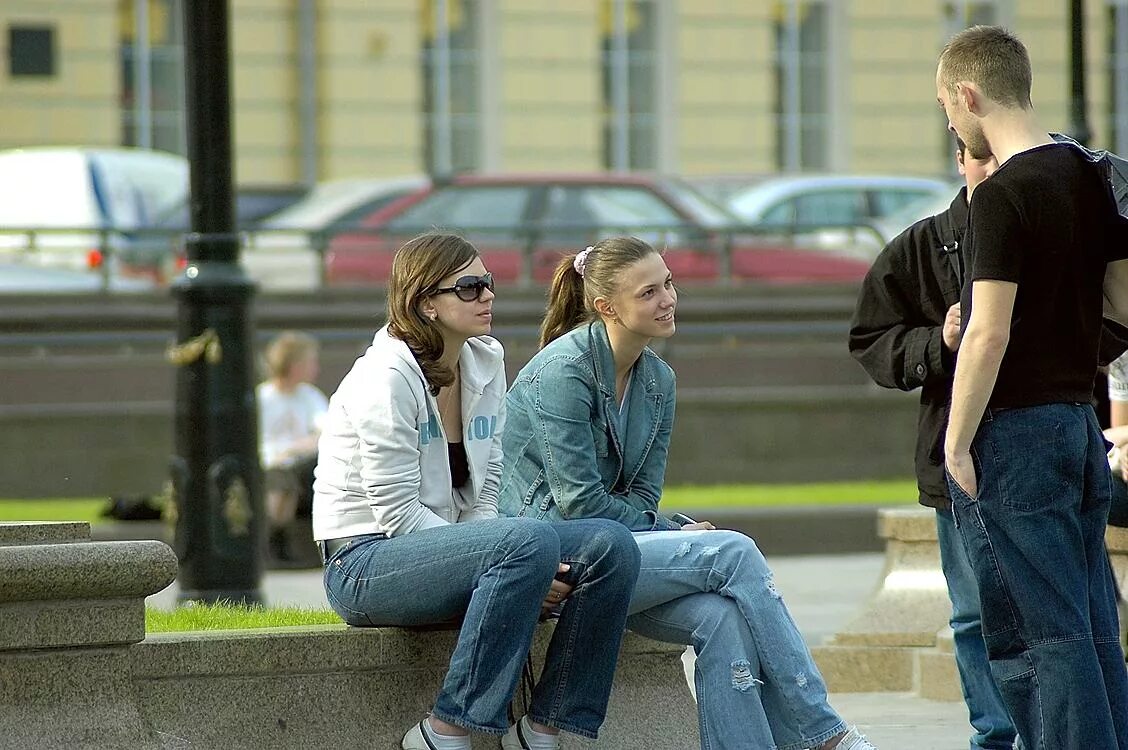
{"type": "Point", "coordinates": [822, 592]}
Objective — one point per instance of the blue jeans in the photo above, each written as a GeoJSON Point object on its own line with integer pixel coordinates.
{"type": "Point", "coordinates": [1035, 536]}
{"type": "Point", "coordinates": [986, 710]}
{"type": "Point", "coordinates": [757, 685]}
{"type": "Point", "coordinates": [494, 575]}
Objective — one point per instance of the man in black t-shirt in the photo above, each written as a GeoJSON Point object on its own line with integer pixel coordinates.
{"type": "Point", "coordinates": [1025, 457]}
{"type": "Point", "coordinates": [905, 333]}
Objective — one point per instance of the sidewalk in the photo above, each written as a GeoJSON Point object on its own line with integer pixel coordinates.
{"type": "Point", "coordinates": [822, 592]}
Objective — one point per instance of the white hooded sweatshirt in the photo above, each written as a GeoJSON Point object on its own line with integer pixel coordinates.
{"type": "Point", "coordinates": [383, 466]}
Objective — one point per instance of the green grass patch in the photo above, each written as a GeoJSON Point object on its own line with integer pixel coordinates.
{"type": "Point", "coordinates": [233, 617]}
{"type": "Point", "coordinates": [892, 492]}
{"type": "Point", "coordinates": [889, 492]}
{"type": "Point", "coordinates": [54, 509]}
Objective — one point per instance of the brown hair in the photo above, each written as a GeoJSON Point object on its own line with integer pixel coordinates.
{"type": "Point", "coordinates": [571, 297]}
{"type": "Point", "coordinates": [286, 350]}
{"type": "Point", "coordinates": [993, 59]}
{"type": "Point", "coordinates": [418, 268]}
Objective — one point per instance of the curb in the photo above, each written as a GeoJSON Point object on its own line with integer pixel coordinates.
{"type": "Point", "coordinates": [803, 530]}
{"type": "Point", "coordinates": [822, 530]}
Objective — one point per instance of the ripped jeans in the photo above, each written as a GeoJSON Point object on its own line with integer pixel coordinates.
{"type": "Point", "coordinates": [757, 685]}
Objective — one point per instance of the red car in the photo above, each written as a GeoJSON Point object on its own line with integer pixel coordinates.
{"type": "Point", "coordinates": [523, 223]}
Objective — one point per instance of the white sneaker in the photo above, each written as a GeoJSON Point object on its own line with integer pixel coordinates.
{"type": "Point", "coordinates": [516, 737]}
{"type": "Point", "coordinates": [854, 740]}
{"type": "Point", "coordinates": [416, 739]}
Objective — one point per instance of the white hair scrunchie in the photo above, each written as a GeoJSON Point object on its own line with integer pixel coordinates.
{"type": "Point", "coordinates": [580, 261]}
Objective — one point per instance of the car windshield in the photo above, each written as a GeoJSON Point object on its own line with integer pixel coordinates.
{"type": "Point", "coordinates": [486, 207]}
{"type": "Point", "coordinates": [697, 205]}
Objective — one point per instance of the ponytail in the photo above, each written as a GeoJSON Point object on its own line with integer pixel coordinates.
{"type": "Point", "coordinates": [566, 308]}
{"type": "Point", "coordinates": [582, 277]}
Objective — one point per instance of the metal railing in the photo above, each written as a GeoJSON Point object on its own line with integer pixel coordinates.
{"type": "Point", "coordinates": [296, 259]}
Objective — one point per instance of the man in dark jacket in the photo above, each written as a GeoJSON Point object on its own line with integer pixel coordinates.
{"type": "Point", "coordinates": [905, 333]}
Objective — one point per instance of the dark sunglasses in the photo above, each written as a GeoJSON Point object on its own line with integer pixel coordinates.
{"type": "Point", "coordinates": [468, 288]}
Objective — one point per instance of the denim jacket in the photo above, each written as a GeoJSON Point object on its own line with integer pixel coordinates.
{"type": "Point", "coordinates": [565, 456]}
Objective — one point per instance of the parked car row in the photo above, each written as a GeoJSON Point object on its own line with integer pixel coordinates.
{"type": "Point", "coordinates": [345, 232]}
{"type": "Point", "coordinates": [522, 224]}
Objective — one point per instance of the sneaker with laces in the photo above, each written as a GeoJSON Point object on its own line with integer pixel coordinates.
{"type": "Point", "coordinates": [854, 740]}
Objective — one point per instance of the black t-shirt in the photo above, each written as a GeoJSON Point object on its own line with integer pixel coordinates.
{"type": "Point", "coordinates": [1043, 221]}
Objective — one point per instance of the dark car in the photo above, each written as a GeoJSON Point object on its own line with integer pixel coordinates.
{"type": "Point", "coordinates": [523, 223]}
{"type": "Point", "coordinates": [157, 252]}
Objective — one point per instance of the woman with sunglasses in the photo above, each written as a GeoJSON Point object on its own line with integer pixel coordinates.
{"type": "Point", "coordinates": [405, 512]}
{"type": "Point", "coordinates": [590, 418]}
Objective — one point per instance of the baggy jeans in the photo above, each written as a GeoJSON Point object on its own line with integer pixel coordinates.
{"type": "Point", "coordinates": [494, 575]}
{"type": "Point", "coordinates": [1035, 537]}
{"type": "Point", "coordinates": [987, 713]}
{"type": "Point", "coordinates": [757, 684]}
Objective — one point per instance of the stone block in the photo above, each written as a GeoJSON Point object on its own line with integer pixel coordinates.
{"type": "Point", "coordinates": [866, 669]}
{"type": "Point", "coordinates": [333, 686]}
{"type": "Point", "coordinates": [937, 676]}
{"type": "Point", "coordinates": [77, 593]}
{"type": "Point", "coordinates": [72, 698]}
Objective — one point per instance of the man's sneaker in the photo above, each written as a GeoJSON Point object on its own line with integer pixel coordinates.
{"type": "Point", "coordinates": [416, 739]}
{"type": "Point", "coordinates": [518, 738]}
{"type": "Point", "coordinates": [854, 740]}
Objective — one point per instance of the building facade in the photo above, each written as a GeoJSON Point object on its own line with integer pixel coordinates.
{"type": "Point", "coordinates": [338, 88]}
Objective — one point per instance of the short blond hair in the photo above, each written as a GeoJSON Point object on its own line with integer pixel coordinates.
{"type": "Point", "coordinates": [993, 59]}
{"type": "Point", "coordinates": [286, 350]}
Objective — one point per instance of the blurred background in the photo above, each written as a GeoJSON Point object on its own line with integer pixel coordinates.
{"type": "Point", "coordinates": [771, 147]}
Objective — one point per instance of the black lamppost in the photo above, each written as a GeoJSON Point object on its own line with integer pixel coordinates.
{"type": "Point", "coordinates": [216, 479]}
{"type": "Point", "coordinates": [1078, 121]}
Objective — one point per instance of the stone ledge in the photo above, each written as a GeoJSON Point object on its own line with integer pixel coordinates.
{"type": "Point", "coordinates": [43, 532]}
{"type": "Point", "coordinates": [334, 686]}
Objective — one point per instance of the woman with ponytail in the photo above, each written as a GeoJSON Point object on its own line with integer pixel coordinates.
{"type": "Point", "coordinates": [405, 513]}
{"type": "Point", "coordinates": [588, 431]}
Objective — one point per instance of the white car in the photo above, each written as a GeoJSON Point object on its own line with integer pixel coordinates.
{"type": "Point", "coordinates": [821, 200]}
{"type": "Point", "coordinates": [68, 207]}
{"type": "Point", "coordinates": [832, 211]}
{"type": "Point", "coordinates": [284, 252]}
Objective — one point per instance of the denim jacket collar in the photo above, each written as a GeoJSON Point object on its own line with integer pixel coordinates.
{"type": "Point", "coordinates": [643, 401]}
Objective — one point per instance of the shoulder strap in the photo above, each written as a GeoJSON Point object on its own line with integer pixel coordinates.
{"type": "Point", "coordinates": [947, 239]}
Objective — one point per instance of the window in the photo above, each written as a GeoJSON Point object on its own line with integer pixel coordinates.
{"type": "Point", "coordinates": [31, 51]}
{"type": "Point", "coordinates": [500, 208]}
{"type": "Point", "coordinates": [889, 200]}
{"type": "Point", "coordinates": [629, 54]}
{"type": "Point", "coordinates": [452, 89]}
{"type": "Point", "coordinates": [802, 32]}
{"type": "Point", "coordinates": [152, 75]}
{"type": "Point", "coordinates": [847, 207]}
{"type": "Point", "coordinates": [594, 211]}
